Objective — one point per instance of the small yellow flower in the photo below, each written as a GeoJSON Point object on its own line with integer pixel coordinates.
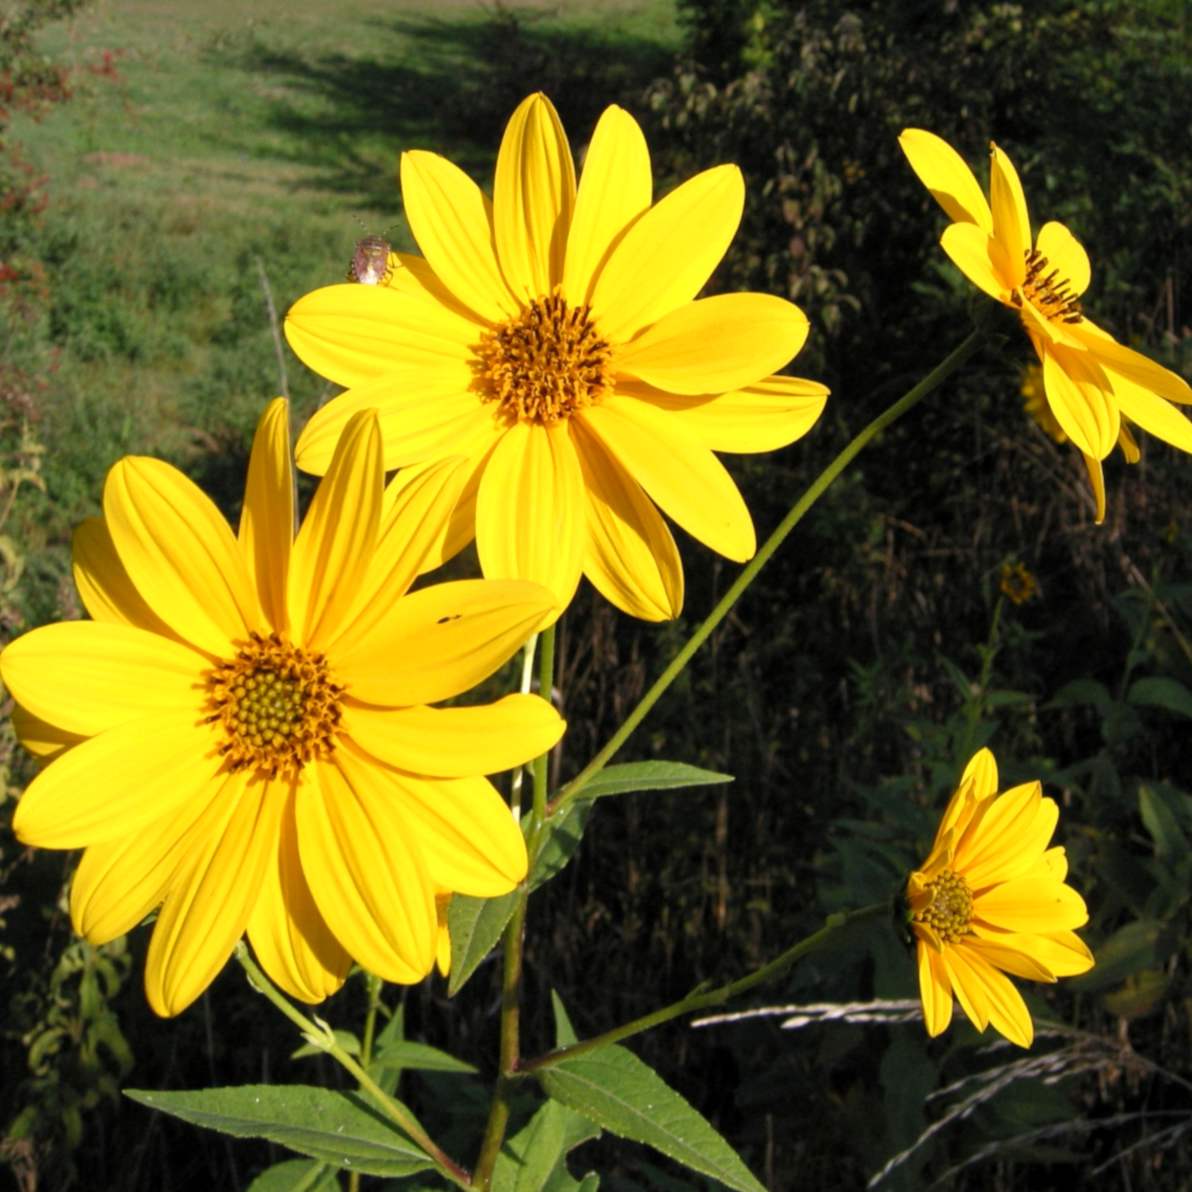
{"type": "Point", "coordinates": [989, 900]}
{"type": "Point", "coordinates": [1017, 583]}
{"type": "Point", "coordinates": [1034, 402]}
{"type": "Point", "coordinates": [550, 344]}
{"type": "Point", "coordinates": [1093, 384]}
{"type": "Point", "coordinates": [240, 734]}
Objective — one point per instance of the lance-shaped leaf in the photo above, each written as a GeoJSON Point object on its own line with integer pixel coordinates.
{"type": "Point", "coordinates": [628, 1098]}
{"type": "Point", "coordinates": [407, 1053]}
{"type": "Point", "coordinates": [475, 925]}
{"type": "Point", "coordinates": [297, 1175]}
{"type": "Point", "coordinates": [630, 777]}
{"type": "Point", "coordinates": [337, 1128]}
{"type": "Point", "coordinates": [534, 1159]}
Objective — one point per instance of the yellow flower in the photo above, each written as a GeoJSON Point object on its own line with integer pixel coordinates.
{"type": "Point", "coordinates": [239, 735]}
{"type": "Point", "coordinates": [991, 900]}
{"type": "Point", "coordinates": [1017, 583]}
{"type": "Point", "coordinates": [1093, 384]}
{"type": "Point", "coordinates": [549, 340]}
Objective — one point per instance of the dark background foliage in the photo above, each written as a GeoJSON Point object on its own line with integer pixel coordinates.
{"type": "Point", "coordinates": [869, 660]}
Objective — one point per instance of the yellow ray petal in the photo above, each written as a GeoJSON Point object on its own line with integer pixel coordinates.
{"type": "Point", "coordinates": [1156, 416]}
{"type": "Point", "coordinates": [1031, 904]}
{"type": "Point", "coordinates": [1065, 253]}
{"type": "Point", "coordinates": [1124, 361]}
{"type": "Point", "coordinates": [452, 220]}
{"type": "Point", "coordinates": [118, 882]}
{"type": "Point", "coordinates": [1011, 839]}
{"type": "Point", "coordinates": [935, 989]}
{"type": "Point", "coordinates": [370, 886]}
{"type": "Point", "coordinates": [977, 783]}
{"type": "Point", "coordinates": [410, 274]}
{"type": "Point", "coordinates": [42, 739]}
{"type": "Point", "coordinates": [530, 510]}
{"type": "Point", "coordinates": [1127, 442]}
{"type": "Point", "coordinates": [180, 554]}
{"type": "Point", "coordinates": [354, 334]}
{"type": "Point", "coordinates": [461, 828]}
{"type": "Point", "coordinates": [460, 528]}
{"type": "Point", "coordinates": [212, 894]}
{"type": "Point", "coordinates": [716, 344]}
{"type": "Point", "coordinates": [290, 938]}
{"type": "Point", "coordinates": [117, 783]}
{"type": "Point", "coordinates": [631, 556]}
{"type": "Point", "coordinates": [680, 475]}
{"type": "Point", "coordinates": [966, 985]}
{"type": "Point", "coordinates": [104, 587]}
{"type": "Point", "coordinates": [267, 519]}
{"type": "Point", "coordinates": [1010, 953]}
{"type": "Point", "coordinates": [667, 255]}
{"type": "Point", "coordinates": [443, 942]}
{"type": "Point", "coordinates": [89, 676]}
{"type": "Point", "coordinates": [434, 416]}
{"type": "Point", "coordinates": [1097, 481]}
{"type": "Point", "coordinates": [982, 985]}
{"type": "Point", "coordinates": [1011, 224]}
{"type": "Point", "coordinates": [448, 638]}
{"type": "Point", "coordinates": [943, 171]}
{"type": "Point", "coordinates": [1078, 394]}
{"type": "Point", "coordinates": [335, 545]}
{"type": "Point", "coordinates": [614, 189]}
{"type": "Point", "coordinates": [533, 195]}
{"type": "Point", "coordinates": [1063, 952]}
{"type": "Point", "coordinates": [761, 417]}
{"type": "Point", "coordinates": [416, 512]}
{"type": "Point", "coordinates": [456, 742]}
{"type": "Point", "coordinates": [980, 258]}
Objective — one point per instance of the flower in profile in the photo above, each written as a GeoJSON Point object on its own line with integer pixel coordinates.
{"type": "Point", "coordinates": [1094, 385]}
{"type": "Point", "coordinates": [552, 339]}
{"type": "Point", "coordinates": [241, 734]}
{"type": "Point", "coordinates": [990, 900]}
{"type": "Point", "coordinates": [1017, 583]}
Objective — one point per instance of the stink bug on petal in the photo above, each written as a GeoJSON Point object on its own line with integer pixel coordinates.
{"type": "Point", "coordinates": [370, 262]}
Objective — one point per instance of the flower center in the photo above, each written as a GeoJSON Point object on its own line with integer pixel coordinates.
{"type": "Point", "coordinates": [277, 705]}
{"type": "Point", "coordinates": [950, 908]}
{"type": "Point", "coordinates": [1049, 292]}
{"type": "Point", "coordinates": [544, 364]}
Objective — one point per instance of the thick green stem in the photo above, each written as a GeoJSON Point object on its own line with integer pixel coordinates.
{"type": "Point", "coordinates": [321, 1036]}
{"type": "Point", "coordinates": [834, 927]}
{"type": "Point", "coordinates": [819, 486]}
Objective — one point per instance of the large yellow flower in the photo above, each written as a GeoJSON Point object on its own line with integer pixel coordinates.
{"type": "Point", "coordinates": [549, 342]}
{"type": "Point", "coordinates": [240, 736]}
{"type": "Point", "coordinates": [1093, 384]}
{"type": "Point", "coordinates": [991, 900]}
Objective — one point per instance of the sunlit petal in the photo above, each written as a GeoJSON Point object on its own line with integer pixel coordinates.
{"type": "Point", "coordinates": [267, 520]}
{"type": "Point", "coordinates": [1011, 224]}
{"type": "Point", "coordinates": [105, 588]}
{"type": "Point", "coordinates": [944, 172]}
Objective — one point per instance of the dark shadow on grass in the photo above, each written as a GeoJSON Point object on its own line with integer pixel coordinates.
{"type": "Point", "coordinates": [448, 85]}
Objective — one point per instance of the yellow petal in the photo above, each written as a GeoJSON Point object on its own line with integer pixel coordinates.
{"type": "Point", "coordinates": [1011, 838]}
{"type": "Point", "coordinates": [1009, 952]}
{"type": "Point", "coordinates": [943, 171]}
{"type": "Point", "coordinates": [1134, 366]}
{"type": "Point", "coordinates": [1011, 224]}
{"type": "Point", "coordinates": [1156, 416]}
{"type": "Point", "coordinates": [89, 676]}
{"type": "Point", "coordinates": [410, 274]}
{"type": "Point", "coordinates": [354, 335]}
{"type": "Point", "coordinates": [1078, 394]}
{"type": "Point", "coordinates": [443, 943]}
{"type": "Point", "coordinates": [117, 783]}
{"type": "Point", "coordinates": [456, 742]}
{"type": "Point", "coordinates": [212, 894]}
{"type": "Point", "coordinates": [42, 739]}
{"type": "Point", "coordinates": [104, 587]}
{"type": "Point", "coordinates": [460, 527]}
{"type": "Point", "coordinates": [180, 554]}
{"type": "Point", "coordinates": [369, 884]}
{"type": "Point", "coordinates": [667, 255]}
{"type": "Point", "coordinates": [1127, 442]}
{"type": "Point", "coordinates": [977, 782]}
{"type": "Point", "coordinates": [1097, 481]}
{"type": "Point", "coordinates": [980, 258]}
{"type": "Point", "coordinates": [680, 475]}
{"type": "Point", "coordinates": [267, 519]}
{"type": "Point", "coordinates": [1064, 953]}
{"type": "Point", "coordinates": [442, 640]}
{"type": "Point", "coordinates": [452, 220]}
{"type": "Point", "coordinates": [290, 938]}
{"type": "Point", "coordinates": [461, 828]}
{"type": "Point", "coordinates": [335, 545]}
{"type": "Point", "coordinates": [1065, 253]}
{"type": "Point", "coordinates": [1031, 904]}
{"type": "Point", "coordinates": [533, 195]}
{"type": "Point", "coordinates": [614, 189]}
{"type": "Point", "coordinates": [716, 344]}
{"type": "Point", "coordinates": [631, 557]}
{"type": "Point", "coordinates": [761, 417]}
{"type": "Point", "coordinates": [935, 989]}
{"type": "Point", "coordinates": [530, 520]}
{"type": "Point", "coordinates": [967, 987]}
{"type": "Point", "coordinates": [980, 986]}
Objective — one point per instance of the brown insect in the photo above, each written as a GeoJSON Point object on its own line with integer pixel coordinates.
{"type": "Point", "coordinates": [370, 262]}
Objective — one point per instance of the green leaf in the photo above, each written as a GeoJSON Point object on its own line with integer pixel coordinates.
{"type": "Point", "coordinates": [537, 1154]}
{"type": "Point", "coordinates": [475, 925]}
{"type": "Point", "coordinates": [619, 1092]}
{"type": "Point", "coordinates": [565, 831]}
{"type": "Point", "coordinates": [564, 1032]}
{"type": "Point", "coordinates": [405, 1053]}
{"type": "Point", "coordinates": [648, 776]}
{"type": "Point", "coordinates": [1161, 823]}
{"type": "Point", "coordinates": [345, 1039]}
{"type": "Point", "coordinates": [1157, 692]}
{"type": "Point", "coordinates": [1082, 692]}
{"type": "Point", "coordinates": [1129, 950]}
{"type": "Point", "coordinates": [297, 1175]}
{"type": "Point", "coordinates": [336, 1128]}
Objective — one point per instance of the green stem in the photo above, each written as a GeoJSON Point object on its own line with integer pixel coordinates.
{"type": "Point", "coordinates": [321, 1035]}
{"type": "Point", "coordinates": [834, 927]}
{"type": "Point", "coordinates": [546, 687]}
{"type": "Point", "coordinates": [818, 487]}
